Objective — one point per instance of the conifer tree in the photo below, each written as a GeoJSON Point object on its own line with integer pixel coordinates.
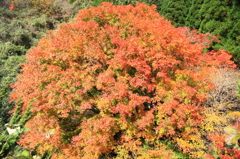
{"type": "Point", "coordinates": [220, 18]}
{"type": "Point", "coordinates": [175, 11]}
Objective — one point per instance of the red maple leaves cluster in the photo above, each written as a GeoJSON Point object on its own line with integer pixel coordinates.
{"type": "Point", "coordinates": [12, 7]}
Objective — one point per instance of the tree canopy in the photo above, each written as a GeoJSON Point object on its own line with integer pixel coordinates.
{"type": "Point", "coordinates": [117, 79]}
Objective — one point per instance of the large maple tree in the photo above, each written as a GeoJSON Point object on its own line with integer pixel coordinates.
{"type": "Point", "coordinates": [117, 79]}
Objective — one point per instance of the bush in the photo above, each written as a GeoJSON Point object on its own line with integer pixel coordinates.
{"type": "Point", "coordinates": [116, 82]}
{"type": "Point", "coordinates": [6, 13]}
{"type": "Point", "coordinates": [50, 8]}
{"type": "Point", "coordinates": [9, 49]}
{"type": "Point", "coordinates": [80, 4]}
{"type": "Point", "coordinates": [224, 97]}
{"type": "Point", "coordinates": [16, 33]}
{"type": "Point", "coordinates": [9, 71]}
{"type": "Point", "coordinates": [222, 104]}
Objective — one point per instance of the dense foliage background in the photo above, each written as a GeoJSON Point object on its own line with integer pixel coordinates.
{"type": "Point", "coordinates": [24, 22]}
{"type": "Point", "coordinates": [220, 18]}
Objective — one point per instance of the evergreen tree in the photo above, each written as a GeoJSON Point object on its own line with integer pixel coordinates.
{"type": "Point", "coordinates": [175, 11]}
{"type": "Point", "coordinates": [221, 18]}
{"type": "Point", "coordinates": [232, 40]}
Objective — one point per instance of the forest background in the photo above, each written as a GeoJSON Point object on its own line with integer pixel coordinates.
{"type": "Point", "coordinates": [24, 22]}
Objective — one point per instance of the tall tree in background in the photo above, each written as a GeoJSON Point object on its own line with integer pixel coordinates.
{"type": "Point", "coordinates": [192, 17]}
{"type": "Point", "coordinates": [175, 11]}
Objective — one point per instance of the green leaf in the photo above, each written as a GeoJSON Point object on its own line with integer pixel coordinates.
{"type": "Point", "coordinates": [25, 153]}
{"type": "Point", "coordinates": [51, 131]}
{"type": "Point", "coordinates": [230, 130]}
{"type": "Point", "coordinates": [233, 135]}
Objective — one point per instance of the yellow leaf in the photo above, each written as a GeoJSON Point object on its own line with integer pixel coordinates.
{"type": "Point", "coordinates": [233, 135]}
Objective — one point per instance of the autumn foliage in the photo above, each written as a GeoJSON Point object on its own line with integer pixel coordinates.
{"type": "Point", "coordinates": [12, 7]}
{"type": "Point", "coordinates": [117, 82]}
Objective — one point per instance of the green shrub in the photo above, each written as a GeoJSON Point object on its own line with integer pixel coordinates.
{"type": "Point", "coordinates": [133, 2]}
{"type": "Point", "coordinates": [16, 33]}
{"type": "Point", "coordinates": [8, 140]}
{"type": "Point", "coordinates": [9, 49]}
{"type": "Point", "coordinates": [6, 13]}
{"type": "Point", "coordinates": [80, 4]}
{"type": "Point", "coordinates": [8, 72]}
